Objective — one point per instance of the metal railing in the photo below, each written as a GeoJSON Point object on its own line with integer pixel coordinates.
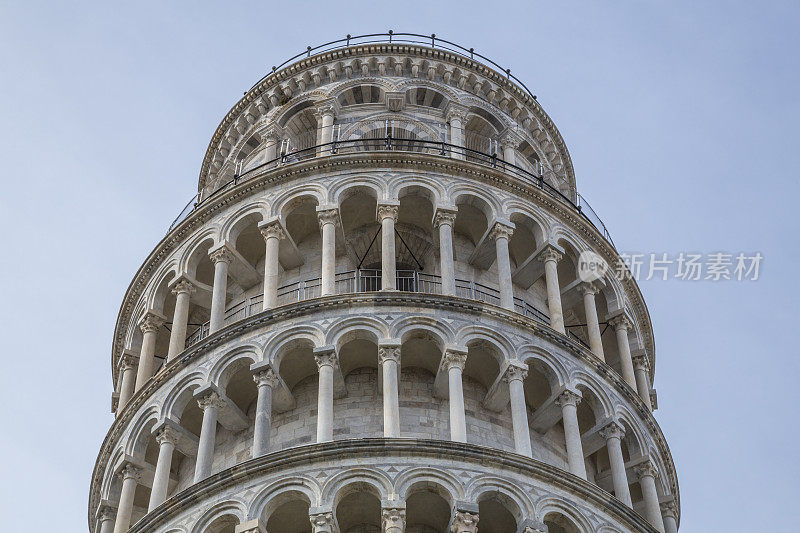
{"type": "Point", "coordinates": [417, 145]}
{"type": "Point", "coordinates": [368, 280]}
{"type": "Point", "coordinates": [391, 37]}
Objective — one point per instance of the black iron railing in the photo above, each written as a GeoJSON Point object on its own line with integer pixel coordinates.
{"type": "Point", "coordinates": [408, 145]}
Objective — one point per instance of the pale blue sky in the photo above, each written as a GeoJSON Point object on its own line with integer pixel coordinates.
{"type": "Point", "coordinates": [680, 118]}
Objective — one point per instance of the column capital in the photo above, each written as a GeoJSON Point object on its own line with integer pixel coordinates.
{"type": "Point", "coordinates": [131, 471]}
{"type": "Point", "coordinates": [454, 358]}
{"type": "Point", "coordinates": [588, 287]}
{"type": "Point", "coordinates": [209, 398]}
{"type": "Point", "coordinates": [266, 377]}
{"type": "Point", "coordinates": [388, 210]}
{"type": "Point", "coordinates": [105, 511]}
{"type": "Point", "coordinates": [269, 131]}
{"type": "Point", "coordinates": [393, 519]}
{"type": "Point", "coordinates": [182, 284]}
{"type": "Point", "coordinates": [515, 371]}
{"type": "Point", "coordinates": [510, 138]}
{"type": "Point", "coordinates": [568, 397]}
{"type": "Point", "coordinates": [641, 362]}
{"type": "Point", "coordinates": [222, 253]}
{"type": "Point", "coordinates": [464, 522]}
{"type": "Point", "coordinates": [327, 215]}
{"type": "Point", "coordinates": [456, 111]}
{"type": "Point", "coordinates": [388, 352]}
{"type": "Point", "coordinates": [167, 433]}
{"type": "Point", "coordinates": [669, 508]}
{"type": "Point", "coordinates": [612, 430]}
{"type": "Point", "coordinates": [502, 230]}
{"type": "Point", "coordinates": [151, 321]}
{"type": "Point", "coordinates": [646, 468]}
{"type": "Point", "coordinates": [445, 215]}
{"type": "Point", "coordinates": [328, 107]}
{"type": "Point", "coordinates": [326, 356]}
{"type": "Point", "coordinates": [272, 229]}
{"type": "Point", "coordinates": [128, 360]}
{"type": "Point", "coordinates": [620, 321]}
{"type": "Point", "coordinates": [550, 252]}
{"type": "Point", "coordinates": [322, 522]}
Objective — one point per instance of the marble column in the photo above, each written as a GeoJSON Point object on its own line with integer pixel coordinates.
{"type": "Point", "coordinates": [270, 136]}
{"type": "Point", "coordinates": [669, 512]}
{"type": "Point", "coordinates": [501, 234]}
{"type": "Point", "coordinates": [647, 480]}
{"type": "Point", "coordinates": [209, 403]}
{"type": "Point", "coordinates": [387, 215]}
{"type": "Point", "coordinates": [221, 258]}
{"type": "Point", "coordinates": [326, 113]}
{"type": "Point", "coordinates": [182, 290]}
{"type": "Point", "coordinates": [266, 380]}
{"type": "Point", "coordinates": [551, 258]}
{"type": "Point", "coordinates": [444, 220]}
{"type": "Point", "coordinates": [106, 514]}
{"type": "Point", "coordinates": [592, 324]}
{"type": "Point", "coordinates": [323, 522]}
{"type": "Point", "coordinates": [641, 369]}
{"type": "Point", "coordinates": [130, 474]}
{"type": "Point", "coordinates": [328, 219]}
{"type": "Point", "coordinates": [509, 143]}
{"type": "Point", "coordinates": [167, 438]}
{"type": "Point", "coordinates": [327, 360]}
{"type": "Point", "coordinates": [621, 325]}
{"type": "Point", "coordinates": [568, 401]}
{"type": "Point", "coordinates": [393, 520]}
{"type": "Point", "coordinates": [454, 362]}
{"type": "Point", "coordinates": [150, 323]}
{"type": "Point", "coordinates": [464, 522]}
{"type": "Point", "coordinates": [127, 373]}
{"type": "Point", "coordinates": [515, 376]}
{"type": "Point", "coordinates": [613, 434]}
{"type": "Point", "coordinates": [389, 360]}
{"type": "Point", "coordinates": [273, 233]}
{"type": "Point", "coordinates": [456, 116]}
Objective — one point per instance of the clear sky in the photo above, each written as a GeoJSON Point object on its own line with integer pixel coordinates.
{"type": "Point", "coordinates": [680, 117]}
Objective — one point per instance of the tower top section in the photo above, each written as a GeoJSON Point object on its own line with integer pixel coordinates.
{"type": "Point", "coordinates": [420, 89]}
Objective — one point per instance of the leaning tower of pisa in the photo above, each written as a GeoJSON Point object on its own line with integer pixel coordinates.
{"type": "Point", "coordinates": [372, 318]}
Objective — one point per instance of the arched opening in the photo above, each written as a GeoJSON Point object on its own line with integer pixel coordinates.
{"type": "Point", "coordinates": [361, 94]}
{"type": "Point", "coordinates": [300, 126]}
{"type": "Point", "coordinates": [288, 513]}
{"type": "Point", "coordinates": [224, 524]}
{"type": "Point", "coordinates": [423, 415]}
{"type": "Point", "coordinates": [559, 523]}
{"type": "Point", "coordinates": [363, 241]}
{"type": "Point", "coordinates": [360, 413]}
{"type": "Point", "coordinates": [296, 366]}
{"type": "Point", "coordinates": [302, 224]}
{"type": "Point", "coordinates": [428, 509]}
{"type": "Point", "coordinates": [497, 512]}
{"type": "Point", "coordinates": [426, 97]}
{"type": "Point", "coordinates": [480, 134]}
{"type": "Point", "coordinates": [480, 372]}
{"type": "Point", "coordinates": [527, 273]}
{"type": "Point", "coordinates": [359, 510]}
{"type": "Point", "coordinates": [475, 277]}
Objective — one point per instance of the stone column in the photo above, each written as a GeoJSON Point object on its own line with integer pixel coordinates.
{"type": "Point", "coordinates": [641, 366]}
{"type": "Point", "coordinates": [323, 522]}
{"type": "Point", "coordinates": [389, 359]}
{"type": "Point", "coordinates": [515, 375]}
{"type": "Point", "coordinates": [509, 143]}
{"type": "Point", "coordinates": [266, 380]}
{"type": "Point", "coordinates": [647, 480]}
{"type": "Point", "coordinates": [613, 434]}
{"type": "Point", "coordinates": [387, 215]}
{"type": "Point", "coordinates": [326, 114]}
{"type": "Point", "coordinates": [464, 522]}
{"type": "Point", "coordinates": [127, 371]}
{"type": "Point", "coordinates": [270, 136]}
{"type": "Point", "coordinates": [501, 234]}
{"type": "Point", "coordinates": [327, 361]}
{"type": "Point", "coordinates": [182, 290]}
{"type": "Point", "coordinates": [209, 404]}
{"type": "Point", "coordinates": [150, 323]}
{"type": "Point", "coordinates": [328, 219]}
{"type": "Point", "coordinates": [551, 258]}
{"type": "Point", "coordinates": [222, 258]}
{"type": "Point", "coordinates": [444, 220]}
{"type": "Point", "coordinates": [273, 233]}
{"type": "Point", "coordinates": [454, 362]}
{"type": "Point", "coordinates": [167, 438]}
{"type": "Point", "coordinates": [456, 116]}
{"type": "Point", "coordinates": [621, 325]}
{"type": "Point", "coordinates": [130, 475]}
{"type": "Point", "coordinates": [669, 512]}
{"type": "Point", "coordinates": [592, 324]}
{"type": "Point", "coordinates": [393, 519]}
{"type": "Point", "coordinates": [568, 401]}
{"type": "Point", "coordinates": [106, 514]}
